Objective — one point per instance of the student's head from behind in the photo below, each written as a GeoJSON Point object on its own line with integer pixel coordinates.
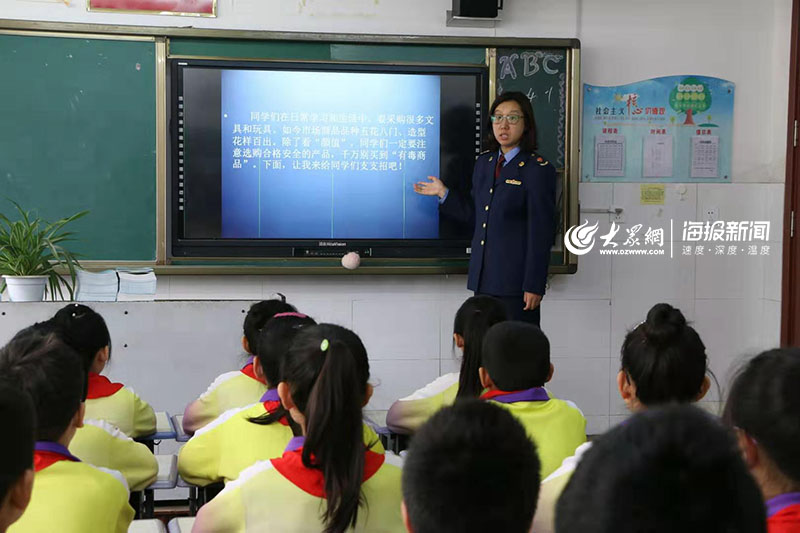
{"type": "Point", "coordinates": [16, 452]}
{"type": "Point", "coordinates": [325, 385]}
{"type": "Point", "coordinates": [85, 331]}
{"type": "Point", "coordinates": [471, 467]}
{"type": "Point", "coordinates": [274, 341]}
{"type": "Point", "coordinates": [673, 468]}
{"type": "Point", "coordinates": [54, 377]}
{"type": "Point", "coordinates": [663, 361]}
{"type": "Point", "coordinates": [257, 316]}
{"type": "Point", "coordinates": [764, 408]}
{"type": "Point", "coordinates": [516, 356]}
{"type": "Point", "coordinates": [473, 319]}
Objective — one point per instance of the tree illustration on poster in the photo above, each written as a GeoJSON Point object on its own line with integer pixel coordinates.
{"type": "Point", "coordinates": [541, 74]}
{"type": "Point", "coordinates": [690, 96]}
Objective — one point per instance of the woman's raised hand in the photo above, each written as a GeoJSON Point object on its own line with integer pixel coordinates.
{"type": "Point", "coordinates": [432, 187]}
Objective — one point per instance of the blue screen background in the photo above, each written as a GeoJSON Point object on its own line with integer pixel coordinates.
{"type": "Point", "coordinates": [305, 195]}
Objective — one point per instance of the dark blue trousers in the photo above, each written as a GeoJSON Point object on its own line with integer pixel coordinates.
{"type": "Point", "coordinates": [514, 306]}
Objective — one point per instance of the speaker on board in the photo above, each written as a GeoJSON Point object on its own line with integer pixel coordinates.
{"type": "Point", "coordinates": [475, 8]}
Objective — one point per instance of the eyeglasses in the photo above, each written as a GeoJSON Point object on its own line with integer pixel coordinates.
{"type": "Point", "coordinates": [512, 119]}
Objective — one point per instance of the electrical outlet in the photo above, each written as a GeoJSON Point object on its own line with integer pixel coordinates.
{"type": "Point", "coordinates": [711, 214]}
{"type": "Point", "coordinates": [618, 217]}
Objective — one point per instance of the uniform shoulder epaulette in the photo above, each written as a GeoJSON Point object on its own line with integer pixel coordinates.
{"type": "Point", "coordinates": [541, 161]}
{"type": "Point", "coordinates": [484, 152]}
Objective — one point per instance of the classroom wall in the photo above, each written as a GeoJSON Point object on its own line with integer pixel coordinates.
{"type": "Point", "coordinates": [405, 321]}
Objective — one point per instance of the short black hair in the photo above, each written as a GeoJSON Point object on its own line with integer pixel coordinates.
{"type": "Point", "coordinates": [665, 358]}
{"type": "Point", "coordinates": [52, 374]}
{"type": "Point", "coordinates": [259, 314]}
{"type": "Point", "coordinates": [667, 469]}
{"type": "Point", "coordinates": [471, 468]}
{"type": "Point", "coordinates": [16, 447]}
{"type": "Point", "coordinates": [765, 403]}
{"type": "Point", "coordinates": [516, 355]}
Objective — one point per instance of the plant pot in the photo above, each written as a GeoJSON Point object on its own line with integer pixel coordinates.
{"type": "Point", "coordinates": [26, 288]}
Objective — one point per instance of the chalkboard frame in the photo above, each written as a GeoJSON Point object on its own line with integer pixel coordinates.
{"type": "Point", "coordinates": [564, 261]}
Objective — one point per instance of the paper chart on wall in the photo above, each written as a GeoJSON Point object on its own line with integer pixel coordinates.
{"type": "Point", "coordinates": [609, 155]}
{"type": "Point", "coordinates": [705, 156]}
{"type": "Point", "coordinates": [657, 157]}
{"type": "Point", "coordinates": [660, 120]}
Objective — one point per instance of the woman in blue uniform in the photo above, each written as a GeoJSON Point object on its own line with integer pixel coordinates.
{"type": "Point", "coordinates": [513, 208]}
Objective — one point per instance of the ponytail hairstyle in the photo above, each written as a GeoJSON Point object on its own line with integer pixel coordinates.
{"type": "Point", "coordinates": [259, 314]}
{"type": "Point", "coordinates": [764, 402]}
{"type": "Point", "coordinates": [83, 330]}
{"type": "Point", "coordinates": [665, 358]}
{"type": "Point", "coordinates": [473, 319]}
{"type": "Point", "coordinates": [327, 373]}
{"type": "Point", "coordinates": [274, 341]}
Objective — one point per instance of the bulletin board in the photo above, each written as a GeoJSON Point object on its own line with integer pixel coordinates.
{"type": "Point", "coordinates": [669, 129]}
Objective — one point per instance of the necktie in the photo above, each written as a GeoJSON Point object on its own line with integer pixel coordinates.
{"type": "Point", "coordinates": [499, 166]}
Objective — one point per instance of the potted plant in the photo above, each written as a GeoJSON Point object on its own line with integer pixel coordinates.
{"type": "Point", "coordinates": [31, 252]}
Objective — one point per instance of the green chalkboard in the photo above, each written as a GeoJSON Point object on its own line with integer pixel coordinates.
{"type": "Point", "coordinates": [327, 51]}
{"type": "Point", "coordinates": [540, 73]}
{"type": "Point", "coordinates": [78, 131]}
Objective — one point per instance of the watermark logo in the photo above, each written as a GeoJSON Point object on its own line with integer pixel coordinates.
{"type": "Point", "coordinates": [748, 237]}
{"type": "Point", "coordinates": [580, 239]}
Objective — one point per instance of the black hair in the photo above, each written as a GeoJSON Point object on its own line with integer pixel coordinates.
{"type": "Point", "coordinates": [473, 319]}
{"type": "Point", "coordinates": [52, 374]}
{"type": "Point", "coordinates": [274, 341]}
{"type": "Point", "coordinates": [528, 141]}
{"type": "Point", "coordinates": [327, 372]}
{"type": "Point", "coordinates": [471, 468]}
{"type": "Point", "coordinates": [259, 314]}
{"type": "Point", "coordinates": [764, 401]}
{"type": "Point", "coordinates": [84, 330]}
{"type": "Point", "coordinates": [516, 355]}
{"type": "Point", "coordinates": [16, 447]}
{"type": "Point", "coordinates": [673, 468]}
{"type": "Point", "coordinates": [665, 358]}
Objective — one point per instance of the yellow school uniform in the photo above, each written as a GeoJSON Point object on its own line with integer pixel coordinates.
{"type": "Point", "coordinates": [73, 497]}
{"type": "Point", "coordinates": [222, 449]}
{"type": "Point", "coordinates": [551, 488]}
{"type": "Point", "coordinates": [282, 495]}
{"type": "Point", "coordinates": [101, 444]}
{"type": "Point", "coordinates": [407, 414]}
{"type": "Point", "coordinates": [230, 390]}
{"type": "Point", "coordinates": [556, 426]}
{"type": "Point", "coordinates": [119, 406]}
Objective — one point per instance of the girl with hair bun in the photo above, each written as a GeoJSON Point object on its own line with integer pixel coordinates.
{"type": "Point", "coordinates": [328, 479]}
{"type": "Point", "coordinates": [763, 407]}
{"type": "Point", "coordinates": [85, 331]}
{"type": "Point", "coordinates": [663, 361]}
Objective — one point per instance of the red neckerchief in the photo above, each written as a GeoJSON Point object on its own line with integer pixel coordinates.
{"type": "Point", "coordinates": [248, 371]}
{"type": "Point", "coordinates": [272, 402]}
{"type": "Point", "coordinates": [48, 453]}
{"type": "Point", "coordinates": [535, 394]}
{"type": "Point", "coordinates": [101, 387]}
{"type": "Point", "coordinates": [311, 480]}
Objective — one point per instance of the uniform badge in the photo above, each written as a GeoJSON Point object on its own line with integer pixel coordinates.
{"type": "Point", "coordinates": [491, 157]}
{"type": "Point", "coordinates": [522, 163]}
{"type": "Point", "coordinates": [514, 182]}
{"type": "Point", "coordinates": [541, 161]}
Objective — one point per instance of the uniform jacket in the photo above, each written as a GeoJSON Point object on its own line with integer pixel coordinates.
{"type": "Point", "coordinates": [514, 219]}
{"type": "Point", "coordinates": [285, 496]}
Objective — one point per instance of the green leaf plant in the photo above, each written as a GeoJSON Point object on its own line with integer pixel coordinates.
{"type": "Point", "coordinates": [31, 246]}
